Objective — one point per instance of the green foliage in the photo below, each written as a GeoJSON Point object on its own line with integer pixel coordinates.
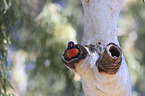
{"type": "Point", "coordinates": [5, 24]}
{"type": "Point", "coordinates": [43, 34]}
{"type": "Point", "coordinates": [131, 34]}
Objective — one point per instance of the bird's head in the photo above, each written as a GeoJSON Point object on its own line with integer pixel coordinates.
{"type": "Point", "coordinates": [71, 45]}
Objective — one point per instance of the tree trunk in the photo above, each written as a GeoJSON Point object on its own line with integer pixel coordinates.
{"type": "Point", "coordinates": [101, 65]}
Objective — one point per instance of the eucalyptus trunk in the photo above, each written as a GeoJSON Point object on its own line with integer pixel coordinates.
{"type": "Point", "coordinates": [101, 64]}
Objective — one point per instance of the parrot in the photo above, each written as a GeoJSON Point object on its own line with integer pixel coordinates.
{"type": "Point", "coordinates": [72, 51]}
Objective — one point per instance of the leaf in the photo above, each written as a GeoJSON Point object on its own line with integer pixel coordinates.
{"type": "Point", "coordinates": [7, 5]}
{"type": "Point", "coordinates": [4, 87]}
{"type": "Point", "coordinates": [0, 90]}
{"type": "Point", "coordinates": [10, 69]}
{"type": "Point", "coordinates": [6, 63]}
{"type": "Point", "coordinates": [0, 74]}
{"type": "Point", "coordinates": [9, 85]}
{"type": "Point", "coordinates": [143, 1]}
{"type": "Point", "coordinates": [2, 94]}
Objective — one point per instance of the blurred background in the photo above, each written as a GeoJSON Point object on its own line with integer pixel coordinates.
{"type": "Point", "coordinates": [36, 33]}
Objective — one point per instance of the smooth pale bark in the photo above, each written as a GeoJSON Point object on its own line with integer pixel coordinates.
{"type": "Point", "coordinates": [100, 64]}
{"type": "Point", "coordinates": [101, 17]}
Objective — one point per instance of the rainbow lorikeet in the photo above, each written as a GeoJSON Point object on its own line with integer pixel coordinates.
{"type": "Point", "coordinates": [72, 50]}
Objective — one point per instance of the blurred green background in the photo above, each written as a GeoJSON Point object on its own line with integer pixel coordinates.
{"type": "Point", "coordinates": [37, 33]}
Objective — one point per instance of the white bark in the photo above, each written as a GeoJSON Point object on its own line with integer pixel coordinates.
{"type": "Point", "coordinates": [101, 17]}
{"type": "Point", "coordinates": [103, 84]}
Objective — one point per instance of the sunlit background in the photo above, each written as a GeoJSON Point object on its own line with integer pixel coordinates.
{"type": "Point", "coordinates": [39, 32]}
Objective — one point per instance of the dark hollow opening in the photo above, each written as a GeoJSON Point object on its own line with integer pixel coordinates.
{"type": "Point", "coordinates": [114, 51]}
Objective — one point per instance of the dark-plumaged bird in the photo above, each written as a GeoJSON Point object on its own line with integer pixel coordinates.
{"type": "Point", "coordinates": [72, 51]}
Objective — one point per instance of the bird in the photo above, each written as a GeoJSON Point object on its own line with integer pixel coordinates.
{"type": "Point", "coordinates": [72, 51]}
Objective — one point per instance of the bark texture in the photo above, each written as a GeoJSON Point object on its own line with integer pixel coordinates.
{"type": "Point", "coordinates": [103, 69]}
{"type": "Point", "coordinates": [110, 61]}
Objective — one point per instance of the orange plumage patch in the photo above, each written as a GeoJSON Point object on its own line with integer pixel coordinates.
{"type": "Point", "coordinates": [72, 53]}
